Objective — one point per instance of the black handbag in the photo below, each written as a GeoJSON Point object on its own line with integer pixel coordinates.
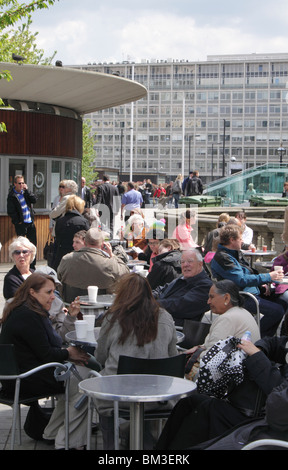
{"type": "Point", "coordinates": [36, 421]}
{"type": "Point", "coordinates": [48, 252]}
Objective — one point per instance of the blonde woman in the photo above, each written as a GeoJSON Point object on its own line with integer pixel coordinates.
{"type": "Point", "coordinates": [177, 190]}
{"type": "Point", "coordinates": [72, 222]}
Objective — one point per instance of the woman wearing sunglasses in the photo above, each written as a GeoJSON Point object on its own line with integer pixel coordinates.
{"type": "Point", "coordinates": [22, 252]}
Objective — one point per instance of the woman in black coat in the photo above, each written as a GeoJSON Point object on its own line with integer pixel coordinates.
{"type": "Point", "coordinates": [200, 417]}
{"type": "Point", "coordinates": [72, 222]}
{"type": "Point", "coordinates": [25, 324]}
{"type": "Point", "coordinates": [166, 265]}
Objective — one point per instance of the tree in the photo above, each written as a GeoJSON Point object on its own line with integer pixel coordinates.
{"type": "Point", "coordinates": [12, 11]}
{"type": "Point", "coordinates": [22, 42]}
{"type": "Point", "coordinates": [88, 153]}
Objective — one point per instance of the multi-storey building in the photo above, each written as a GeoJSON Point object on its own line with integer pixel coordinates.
{"type": "Point", "coordinates": [196, 113]}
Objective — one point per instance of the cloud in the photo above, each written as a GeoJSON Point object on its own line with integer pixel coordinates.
{"type": "Point", "coordinates": [111, 33]}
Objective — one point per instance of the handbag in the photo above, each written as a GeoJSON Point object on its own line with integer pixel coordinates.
{"type": "Point", "coordinates": [221, 367]}
{"type": "Point", "coordinates": [36, 421]}
{"type": "Point", "coordinates": [48, 251]}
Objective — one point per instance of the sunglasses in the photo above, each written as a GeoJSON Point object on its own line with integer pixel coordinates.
{"type": "Point", "coordinates": [18, 252]}
{"type": "Point", "coordinates": [61, 187]}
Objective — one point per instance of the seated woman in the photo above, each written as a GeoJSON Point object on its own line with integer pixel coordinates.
{"type": "Point", "coordinates": [166, 265]}
{"type": "Point", "coordinates": [67, 225]}
{"type": "Point", "coordinates": [233, 320]}
{"type": "Point", "coordinates": [25, 323]}
{"type": "Point", "coordinates": [183, 231]}
{"type": "Point", "coordinates": [134, 326]}
{"type": "Point", "coordinates": [135, 234]}
{"type": "Point", "coordinates": [22, 252]}
{"type": "Point", "coordinates": [201, 417]}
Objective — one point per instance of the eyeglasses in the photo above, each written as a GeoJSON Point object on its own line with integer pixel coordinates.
{"type": "Point", "coordinates": [24, 252]}
{"type": "Point", "coordinates": [61, 186]}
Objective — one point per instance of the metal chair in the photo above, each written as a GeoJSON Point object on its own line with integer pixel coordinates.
{"type": "Point", "coordinates": [265, 442]}
{"type": "Point", "coordinates": [257, 316]}
{"type": "Point", "coordinates": [9, 371]}
{"type": "Point", "coordinates": [195, 333]}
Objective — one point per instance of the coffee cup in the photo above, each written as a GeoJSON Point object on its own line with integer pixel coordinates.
{"type": "Point", "coordinates": [92, 293]}
{"type": "Point", "coordinates": [81, 329]}
{"type": "Point", "coordinates": [90, 319]}
{"type": "Point", "coordinates": [278, 268]}
{"type": "Point", "coordinates": [264, 248]}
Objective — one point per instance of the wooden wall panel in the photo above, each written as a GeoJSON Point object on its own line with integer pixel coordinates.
{"type": "Point", "coordinates": [7, 234]}
{"type": "Point", "coordinates": [40, 134]}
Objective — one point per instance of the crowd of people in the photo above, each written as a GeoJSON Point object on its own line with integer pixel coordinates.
{"type": "Point", "coordinates": [182, 281]}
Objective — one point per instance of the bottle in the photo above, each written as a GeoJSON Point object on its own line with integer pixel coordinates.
{"type": "Point", "coordinates": [247, 337]}
{"type": "Point", "coordinates": [130, 240]}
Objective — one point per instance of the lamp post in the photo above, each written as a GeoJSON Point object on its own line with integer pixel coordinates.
{"type": "Point", "coordinates": [281, 151]}
{"type": "Point", "coordinates": [121, 148]}
{"type": "Point", "coordinates": [226, 124]}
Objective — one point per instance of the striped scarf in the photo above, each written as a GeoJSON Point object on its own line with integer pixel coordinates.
{"type": "Point", "coordinates": [25, 210]}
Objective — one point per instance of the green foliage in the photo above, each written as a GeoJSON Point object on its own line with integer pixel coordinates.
{"type": "Point", "coordinates": [88, 153]}
{"type": "Point", "coordinates": [22, 42]}
{"type": "Point", "coordinates": [12, 11]}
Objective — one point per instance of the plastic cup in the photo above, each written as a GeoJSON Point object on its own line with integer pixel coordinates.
{"type": "Point", "coordinates": [278, 268]}
{"type": "Point", "coordinates": [253, 249]}
{"type": "Point", "coordinates": [92, 293]}
{"type": "Point", "coordinates": [264, 248]}
{"type": "Point", "coordinates": [81, 327]}
{"type": "Point", "coordinates": [90, 319]}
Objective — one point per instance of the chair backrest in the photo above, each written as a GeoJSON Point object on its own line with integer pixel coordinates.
{"type": "Point", "coordinates": [255, 312]}
{"type": "Point", "coordinates": [195, 333]}
{"type": "Point", "coordinates": [8, 361]}
{"type": "Point", "coordinates": [172, 366]}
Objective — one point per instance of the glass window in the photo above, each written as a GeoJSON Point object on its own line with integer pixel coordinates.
{"type": "Point", "coordinates": [40, 183]}
{"type": "Point", "coordinates": [55, 178]}
{"type": "Point", "coordinates": [17, 167]}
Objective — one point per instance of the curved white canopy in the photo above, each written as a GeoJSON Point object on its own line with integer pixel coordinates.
{"type": "Point", "coordinates": [80, 90]}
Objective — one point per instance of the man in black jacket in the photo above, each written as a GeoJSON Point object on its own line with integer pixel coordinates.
{"type": "Point", "coordinates": [19, 208]}
{"type": "Point", "coordinates": [108, 195]}
{"type": "Point", "coordinates": [186, 296]}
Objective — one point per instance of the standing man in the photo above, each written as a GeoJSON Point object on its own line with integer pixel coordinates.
{"type": "Point", "coordinates": [194, 185]}
{"type": "Point", "coordinates": [130, 200]}
{"type": "Point", "coordinates": [85, 193]}
{"type": "Point", "coordinates": [19, 208]}
{"type": "Point", "coordinates": [108, 195]}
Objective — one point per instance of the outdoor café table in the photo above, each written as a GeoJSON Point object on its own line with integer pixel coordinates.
{"type": "Point", "coordinates": [90, 339]}
{"type": "Point", "coordinates": [258, 254]}
{"type": "Point", "coordinates": [136, 389]}
{"type": "Point", "coordinates": [104, 301]}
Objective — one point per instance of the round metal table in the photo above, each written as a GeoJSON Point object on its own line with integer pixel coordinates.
{"type": "Point", "coordinates": [136, 390]}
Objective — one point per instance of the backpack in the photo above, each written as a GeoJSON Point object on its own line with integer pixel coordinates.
{"type": "Point", "coordinates": [193, 187]}
{"type": "Point", "coordinates": [176, 187]}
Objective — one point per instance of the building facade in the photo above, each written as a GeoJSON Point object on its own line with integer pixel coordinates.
{"type": "Point", "coordinates": [220, 116]}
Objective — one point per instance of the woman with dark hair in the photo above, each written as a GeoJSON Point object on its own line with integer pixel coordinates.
{"type": "Point", "coordinates": [232, 319]}
{"type": "Point", "coordinates": [136, 326]}
{"type": "Point", "coordinates": [25, 323]}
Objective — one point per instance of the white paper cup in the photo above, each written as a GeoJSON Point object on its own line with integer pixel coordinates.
{"type": "Point", "coordinates": [81, 327]}
{"type": "Point", "coordinates": [137, 269]}
{"type": "Point", "coordinates": [92, 293]}
{"type": "Point", "coordinates": [278, 268]}
{"type": "Point", "coordinates": [90, 319]}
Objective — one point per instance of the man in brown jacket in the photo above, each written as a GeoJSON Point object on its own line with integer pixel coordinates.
{"type": "Point", "coordinates": [92, 265]}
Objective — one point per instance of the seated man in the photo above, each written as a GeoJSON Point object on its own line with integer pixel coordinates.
{"type": "Point", "coordinates": [186, 296]}
{"type": "Point", "coordinates": [94, 264]}
{"type": "Point", "coordinates": [229, 263]}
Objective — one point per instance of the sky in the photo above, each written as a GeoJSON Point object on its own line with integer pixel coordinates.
{"type": "Point", "coordinates": [88, 31]}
